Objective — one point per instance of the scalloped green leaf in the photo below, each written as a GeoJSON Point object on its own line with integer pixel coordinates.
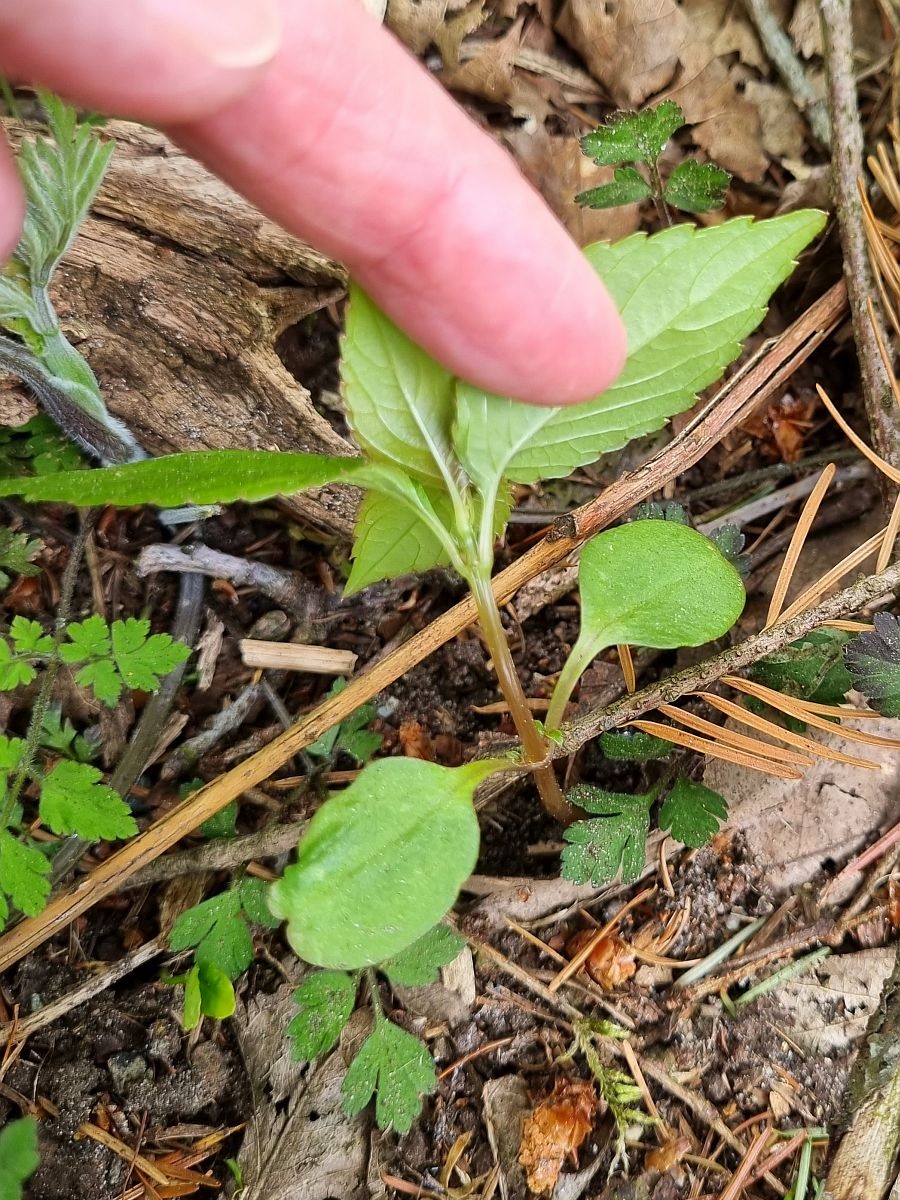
{"type": "Point", "coordinates": [382, 862]}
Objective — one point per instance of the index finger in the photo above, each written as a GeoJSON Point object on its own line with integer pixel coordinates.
{"type": "Point", "coordinates": [348, 143]}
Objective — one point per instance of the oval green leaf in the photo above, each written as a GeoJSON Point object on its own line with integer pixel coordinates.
{"type": "Point", "coordinates": [381, 862]}
{"type": "Point", "coordinates": [649, 583]}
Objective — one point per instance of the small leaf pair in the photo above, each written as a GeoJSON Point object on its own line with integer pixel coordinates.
{"type": "Point", "coordinates": [641, 137]}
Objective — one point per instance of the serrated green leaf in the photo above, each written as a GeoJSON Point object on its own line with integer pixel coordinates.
{"type": "Point", "coordinates": [633, 136]}
{"type": "Point", "coordinates": [633, 745]}
{"type": "Point", "coordinates": [397, 1069]}
{"type": "Point", "coordinates": [103, 678]}
{"type": "Point", "coordinates": [692, 813]}
{"type": "Point", "coordinates": [28, 637]}
{"type": "Point", "coordinates": [222, 824]}
{"type": "Point", "coordinates": [141, 660]}
{"type": "Point", "coordinates": [615, 839]}
{"type": "Point", "coordinates": [255, 902]}
{"type": "Point", "coordinates": [628, 186]}
{"type": "Point", "coordinates": [696, 187]}
{"type": "Point", "coordinates": [649, 583]}
{"type": "Point", "coordinates": [399, 399]}
{"type": "Point", "coordinates": [873, 660]}
{"type": "Point", "coordinates": [11, 751]}
{"type": "Point", "coordinates": [812, 668]}
{"type": "Point", "coordinates": [16, 552]}
{"type": "Point", "coordinates": [87, 639]}
{"type": "Point", "coordinates": [349, 736]}
{"type": "Point", "coordinates": [381, 862]}
{"type": "Point", "coordinates": [59, 734]}
{"type": "Point", "coordinates": [13, 671]}
{"type": "Point", "coordinates": [74, 800]}
{"type": "Point", "coordinates": [325, 1000]}
{"type": "Point", "coordinates": [687, 297]}
{"type": "Point", "coordinates": [19, 1157]}
{"type": "Point", "coordinates": [219, 933]}
{"type": "Point", "coordinates": [23, 874]}
{"type": "Point", "coordinates": [390, 540]}
{"type": "Point", "coordinates": [420, 963]}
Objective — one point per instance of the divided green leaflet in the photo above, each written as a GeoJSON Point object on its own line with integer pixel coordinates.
{"type": "Point", "coordinates": [397, 1068]}
{"type": "Point", "coordinates": [688, 297]}
{"type": "Point", "coordinates": [399, 399]}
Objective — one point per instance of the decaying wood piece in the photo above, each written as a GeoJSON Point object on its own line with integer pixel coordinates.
{"type": "Point", "coordinates": [175, 291]}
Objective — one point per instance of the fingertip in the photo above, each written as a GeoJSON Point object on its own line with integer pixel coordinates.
{"type": "Point", "coordinates": [12, 203]}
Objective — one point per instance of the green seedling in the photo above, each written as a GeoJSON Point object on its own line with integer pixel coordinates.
{"type": "Point", "coordinates": [383, 861]}
{"type": "Point", "coordinates": [218, 931]}
{"type": "Point", "coordinates": [391, 1064]}
{"type": "Point", "coordinates": [639, 138]}
{"type": "Point", "coordinates": [873, 660]}
{"type": "Point", "coordinates": [18, 1157]}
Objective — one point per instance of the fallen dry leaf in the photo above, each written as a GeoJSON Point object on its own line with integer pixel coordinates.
{"type": "Point", "coordinates": [492, 75]}
{"type": "Point", "coordinates": [782, 427]}
{"type": "Point", "coordinates": [668, 1156]}
{"type": "Point", "coordinates": [556, 1129]}
{"type": "Point", "coordinates": [416, 741]}
{"type": "Point", "coordinates": [558, 169]}
{"type": "Point", "coordinates": [631, 47]}
{"type": "Point", "coordinates": [609, 964]}
{"type": "Point", "coordinates": [420, 24]}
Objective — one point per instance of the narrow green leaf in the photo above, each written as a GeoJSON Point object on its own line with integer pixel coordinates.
{"type": "Point", "coordinates": [19, 1157]}
{"type": "Point", "coordinates": [692, 813]}
{"type": "Point", "coordinates": [23, 874]}
{"type": "Point", "coordinates": [74, 800]}
{"type": "Point", "coordinates": [615, 839]}
{"type": "Point", "coordinates": [628, 187]}
{"type": "Point", "coordinates": [381, 862]}
{"type": "Point", "coordinates": [874, 663]}
{"type": "Point", "coordinates": [204, 477]}
{"type": "Point", "coordinates": [633, 136]}
{"type": "Point", "coordinates": [398, 398]}
{"type": "Point", "coordinates": [697, 187]}
{"type": "Point", "coordinates": [397, 1069]}
{"type": "Point", "coordinates": [420, 963]}
{"type": "Point", "coordinates": [687, 297]}
{"type": "Point", "coordinates": [193, 1004]}
{"type": "Point", "coordinates": [325, 1000]}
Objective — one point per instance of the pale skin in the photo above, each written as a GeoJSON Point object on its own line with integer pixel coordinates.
{"type": "Point", "coordinates": [320, 117]}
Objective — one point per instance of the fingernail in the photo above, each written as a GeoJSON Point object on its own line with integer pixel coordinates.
{"type": "Point", "coordinates": [229, 33]}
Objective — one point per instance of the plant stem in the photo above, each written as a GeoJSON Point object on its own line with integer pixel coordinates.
{"type": "Point", "coordinates": [533, 742]}
{"type": "Point", "coordinates": [656, 185]}
{"type": "Point", "coordinates": [42, 703]}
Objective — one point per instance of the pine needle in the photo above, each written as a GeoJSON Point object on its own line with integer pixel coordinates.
{"type": "Point", "coordinates": [890, 539]}
{"type": "Point", "coordinates": [875, 459]}
{"type": "Point", "coordinates": [797, 708]}
{"type": "Point", "coordinates": [732, 738]}
{"type": "Point", "coordinates": [627, 664]}
{"type": "Point", "coordinates": [716, 750]}
{"type": "Point", "coordinates": [807, 516]}
{"type": "Point", "coordinates": [817, 590]}
{"type": "Point", "coordinates": [849, 626]}
{"type": "Point", "coordinates": [738, 713]}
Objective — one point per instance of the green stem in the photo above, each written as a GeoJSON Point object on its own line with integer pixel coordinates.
{"type": "Point", "coordinates": [533, 742]}
{"type": "Point", "coordinates": [374, 997]}
{"type": "Point", "coordinates": [42, 703]}
{"type": "Point", "coordinates": [658, 198]}
{"type": "Point", "coordinates": [574, 667]}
